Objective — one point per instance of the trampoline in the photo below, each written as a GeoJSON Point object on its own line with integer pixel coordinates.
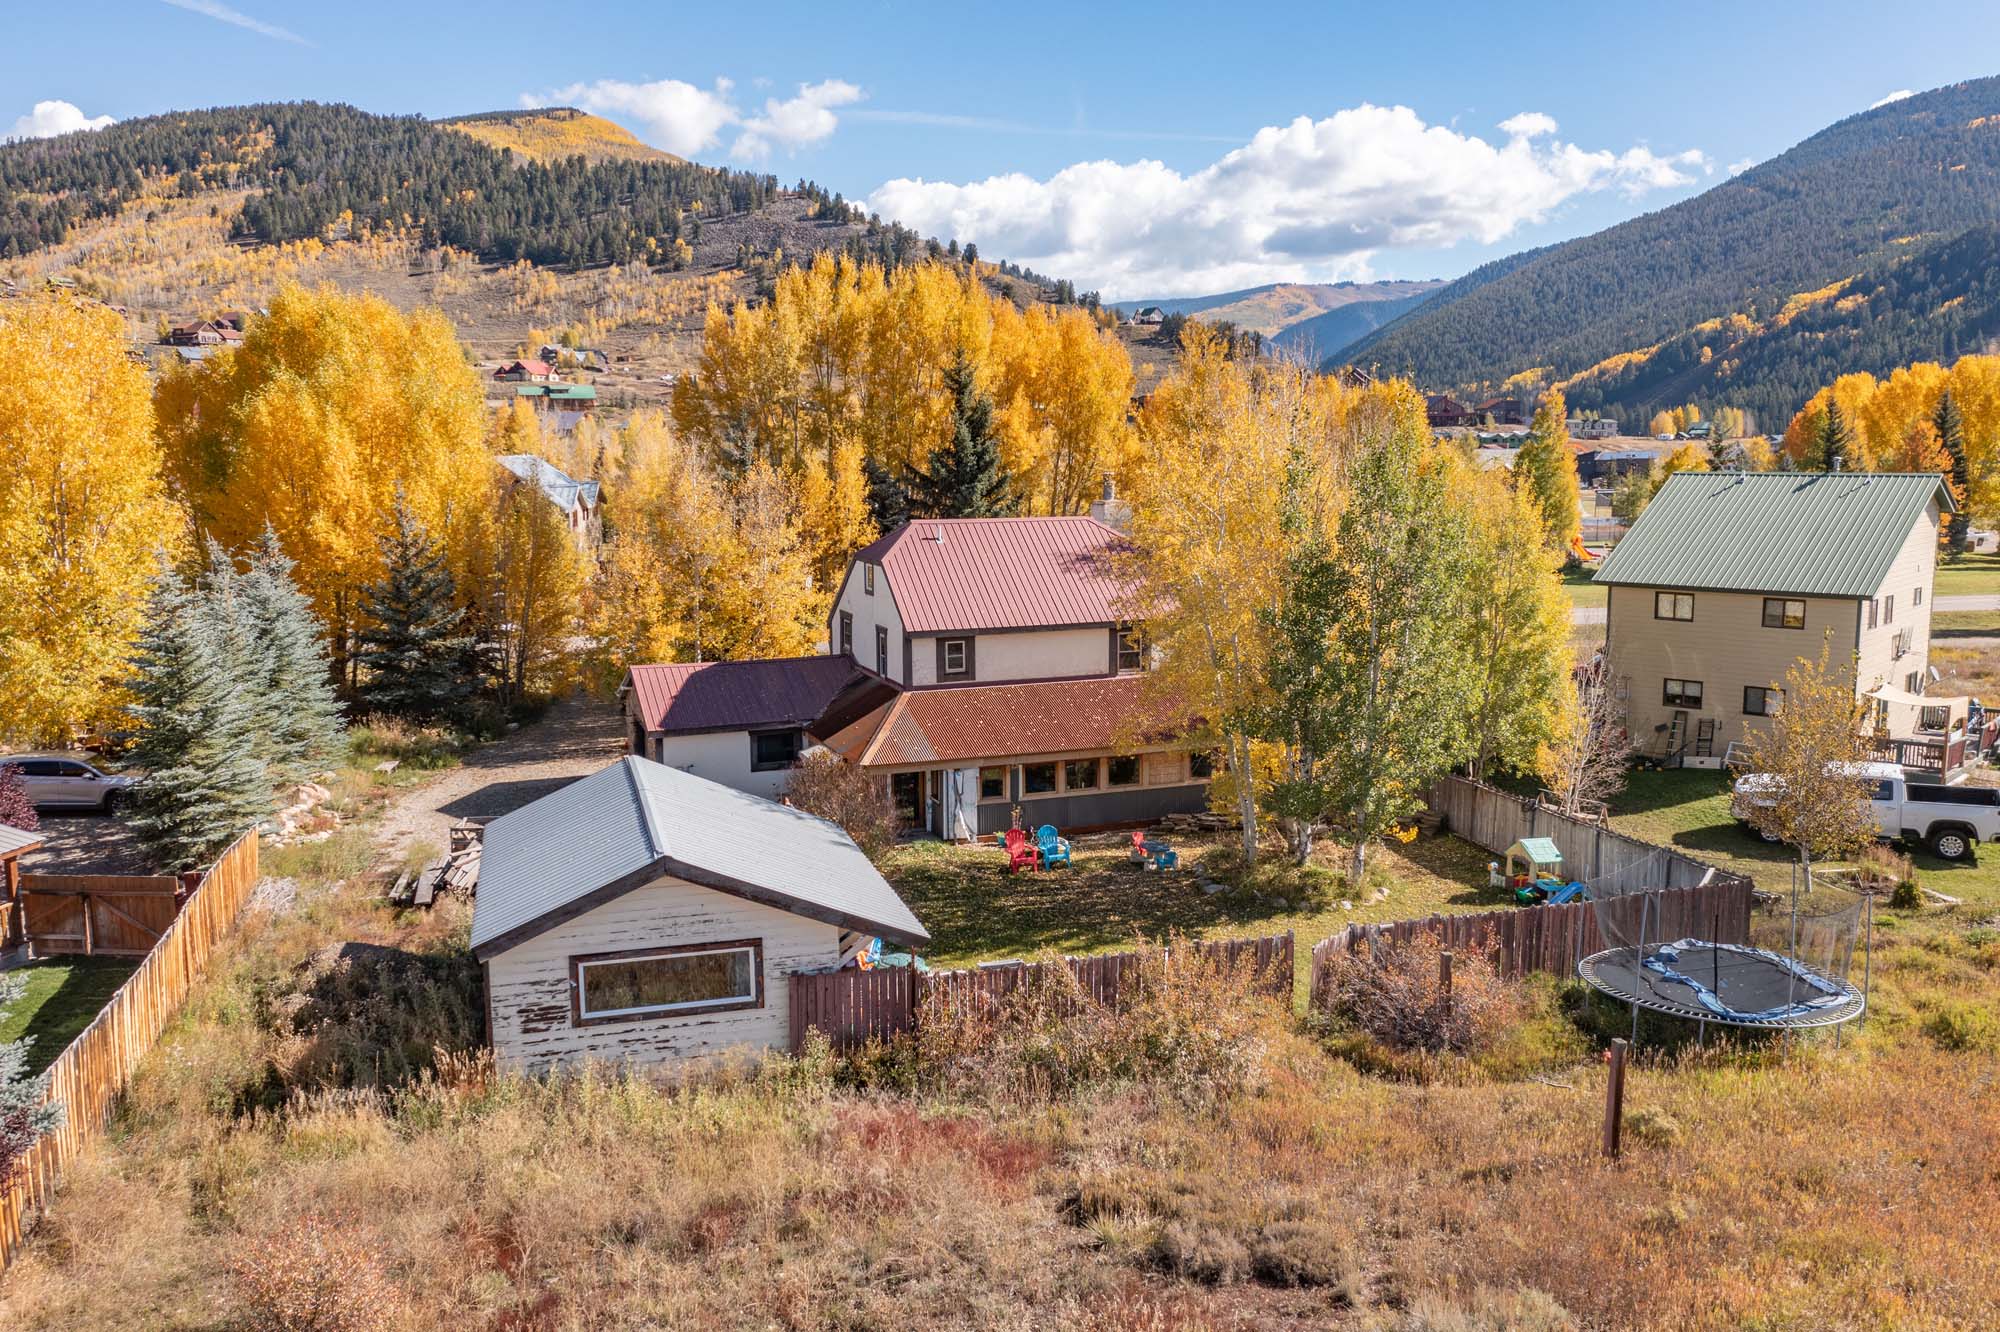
{"type": "Point", "coordinates": [1732, 985]}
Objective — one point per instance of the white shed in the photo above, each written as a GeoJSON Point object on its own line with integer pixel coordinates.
{"type": "Point", "coordinates": [644, 914]}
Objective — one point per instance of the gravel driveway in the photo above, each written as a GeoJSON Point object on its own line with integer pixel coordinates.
{"type": "Point", "coordinates": [86, 844]}
{"type": "Point", "coordinates": [574, 739]}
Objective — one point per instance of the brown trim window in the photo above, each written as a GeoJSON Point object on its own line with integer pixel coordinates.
{"type": "Point", "coordinates": [846, 633]}
{"type": "Point", "coordinates": [1762, 701]}
{"type": "Point", "coordinates": [1889, 609]}
{"type": "Point", "coordinates": [954, 657]}
{"type": "Point", "coordinates": [1681, 694]}
{"type": "Point", "coordinates": [1123, 770]}
{"type": "Point", "coordinates": [881, 649]}
{"type": "Point", "coordinates": [1784, 613]}
{"type": "Point", "coordinates": [1038, 778]}
{"type": "Point", "coordinates": [993, 783]}
{"type": "Point", "coordinates": [1916, 596]}
{"type": "Point", "coordinates": [868, 579]}
{"type": "Point", "coordinates": [1874, 612]}
{"type": "Point", "coordinates": [1673, 605]}
{"type": "Point", "coordinates": [771, 751]}
{"type": "Point", "coordinates": [1080, 775]}
{"type": "Point", "coordinates": [1131, 650]}
{"type": "Point", "coordinates": [666, 982]}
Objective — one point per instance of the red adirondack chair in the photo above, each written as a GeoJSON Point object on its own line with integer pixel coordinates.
{"type": "Point", "coordinates": [1021, 850]}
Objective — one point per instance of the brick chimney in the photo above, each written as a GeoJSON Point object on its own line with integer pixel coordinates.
{"type": "Point", "coordinates": [1110, 510]}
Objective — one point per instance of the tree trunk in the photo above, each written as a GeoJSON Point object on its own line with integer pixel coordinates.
{"type": "Point", "coordinates": [1246, 795]}
{"type": "Point", "coordinates": [1357, 861]}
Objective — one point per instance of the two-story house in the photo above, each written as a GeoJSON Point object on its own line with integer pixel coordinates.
{"type": "Point", "coordinates": [1728, 578]}
{"type": "Point", "coordinates": [982, 668]}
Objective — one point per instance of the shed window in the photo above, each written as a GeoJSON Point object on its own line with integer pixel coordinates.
{"type": "Point", "coordinates": [993, 783]}
{"type": "Point", "coordinates": [649, 982]}
{"type": "Point", "coordinates": [1681, 694]}
{"type": "Point", "coordinates": [1760, 701]}
{"type": "Point", "coordinates": [1784, 613]}
{"type": "Point", "coordinates": [1080, 775]}
{"type": "Point", "coordinates": [1038, 778]}
{"type": "Point", "coordinates": [1122, 771]}
{"type": "Point", "coordinates": [1673, 605]}
{"type": "Point", "coordinates": [771, 750]}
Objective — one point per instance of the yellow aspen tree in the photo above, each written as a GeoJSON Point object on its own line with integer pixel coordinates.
{"type": "Point", "coordinates": [538, 588]}
{"type": "Point", "coordinates": [833, 514]}
{"type": "Point", "coordinates": [1546, 467]}
{"type": "Point", "coordinates": [84, 515]}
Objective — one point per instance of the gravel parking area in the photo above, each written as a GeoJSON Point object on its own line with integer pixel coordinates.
{"type": "Point", "coordinates": [87, 844]}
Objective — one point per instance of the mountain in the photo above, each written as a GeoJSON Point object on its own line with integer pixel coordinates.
{"type": "Point", "coordinates": [551, 134]}
{"type": "Point", "coordinates": [1272, 309]}
{"type": "Point", "coordinates": [1328, 335]}
{"type": "Point", "coordinates": [1862, 248]}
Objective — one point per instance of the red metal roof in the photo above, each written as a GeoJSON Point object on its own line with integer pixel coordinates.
{"type": "Point", "coordinates": [954, 574]}
{"type": "Point", "coordinates": [978, 722]}
{"type": "Point", "coordinates": [682, 698]}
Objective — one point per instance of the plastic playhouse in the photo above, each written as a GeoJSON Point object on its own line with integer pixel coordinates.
{"type": "Point", "coordinates": [1533, 870]}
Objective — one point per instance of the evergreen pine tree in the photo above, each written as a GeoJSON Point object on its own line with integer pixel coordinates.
{"type": "Point", "coordinates": [888, 496]}
{"type": "Point", "coordinates": [294, 670]}
{"type": "Point", "coordinates": [200, 737]}
{"type": "Point", "coordinates": [965, 478]}
{"type": "Point", "coordinates": [417, 655]}
{"type": "Point", "coordinates": [23, 1116]}
{"type": "Point", "coordinates": [1950, 425]}
{"type": "Point", "coordinates": [1834, 438]}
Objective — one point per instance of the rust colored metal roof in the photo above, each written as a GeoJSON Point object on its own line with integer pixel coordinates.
{"type": "Point", "coordinates": [950, 575]}
{"type": "Point", "coordinates": [685, 698]}
{"type": "Point", "coordinates": [977, 722]}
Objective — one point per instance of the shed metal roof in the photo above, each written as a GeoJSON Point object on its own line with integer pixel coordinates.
{"type": "Point", "coordinates": [951, 575]}
{"type": "Point", "coordinates": [14, 842]}
{"type": "Point", "coordinates": [690, 697]}
{"type": "Point", "coordinates": [563, 490]}
{"type": "Point", "coordinates": [636, 821]}
{"type": "Point", "coordinates": [1814, 534]}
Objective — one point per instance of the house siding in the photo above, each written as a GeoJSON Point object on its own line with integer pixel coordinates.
{"type": "Point", "coordinates": [1028, 654]}
{"type": "Point", "coordinates": [869, 612]}
{"type": "Point", "coordinates": [1915, 567]}
{"type": "Point", "coordinates": [1725, 646]}
{"type": "Point", "coordinates": [528, 986]}
{"type": "Point", "coordinates": [720, 756]}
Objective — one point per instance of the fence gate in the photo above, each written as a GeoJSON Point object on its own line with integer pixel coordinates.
{"type": "Point", "coordinates": [96, 915]}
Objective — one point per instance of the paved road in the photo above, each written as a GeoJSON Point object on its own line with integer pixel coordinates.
{"type": "Point", "coordinates": [1975, 602]}
{"type": "Point", "coordinates": [573, 740]}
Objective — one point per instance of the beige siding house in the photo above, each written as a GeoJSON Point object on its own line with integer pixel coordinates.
{"type": "Point", "coordinates": [645, 915]}
{"type": "Point", "coordinates": [1728, 578]}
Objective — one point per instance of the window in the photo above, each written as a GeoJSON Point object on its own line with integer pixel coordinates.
{"type": "Point", "coordinates": [1673, 605]}
{"type": "Point", "coordinates": [954, 657]}
{"type": "Point", "coordinates": [1131, 651]}
{"type": "Point", "coordinates": [1759, 701]}
{"type": "Point", "coordinates": [1682, 694]}
{"type": "Point", "coordinates": [868, 579]}
{"type": "Point", "coordinates": [881, 650]}
{"type": "Point", "coordinates": [1874, 612]}
{"type": "Point", "coordinates": [992, 783]}
{"type": "Point", "coordinates": [1900, 645]}
{"type": "Point", "coordinates": [1916, 596]}
{"type": "Point", "coordinates": [772, 750]}
{"type": "Point", "coordinates": [1201, 766]}
{"type": "Point", "coordinates": [1933, 718]}
{"type": "Point", "coordinates": [846, 634]}
{"type": "Point", "coordinates": [38, 767]}
{"type": "Point", "coordinates": [1888, 610]}
{"type": "Point", "coordinates": [1038, 778]}
{"type": "Point", "coordinates": [1784, 613]}
{"type": "Point", "coordinates": [609, 987]}
{"type": "Point", "coordinates": [1913, 683]}
{"type": "Point", "coordinates": [1080, 775]}
{"type": "Point", "coordinates": [1122, 771]}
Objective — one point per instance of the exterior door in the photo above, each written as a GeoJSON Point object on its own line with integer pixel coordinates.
{"type": "Point", "coordinates": [906, 792]}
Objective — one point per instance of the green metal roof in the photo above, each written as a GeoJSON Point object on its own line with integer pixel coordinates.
{"type": "Point", "coordinates": [1814, 534]}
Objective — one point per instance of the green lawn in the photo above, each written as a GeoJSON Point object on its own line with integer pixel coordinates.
{"type": "Point", "coordinates": [976, 911]}
{"type": "Point", "coordinates": [62, 997]}
{"type": "Point", "coordinates": [1583, 592]}
{"type": "Point", "coordinates": [1971, 575]}
{"type": "Point", "coordinates": [1966, 621]}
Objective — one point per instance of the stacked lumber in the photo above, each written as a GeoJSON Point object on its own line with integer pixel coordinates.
{"type": "Point", "coordinates": [456, 871]}
{"type": "Point", "coordinates": [1190, 825]}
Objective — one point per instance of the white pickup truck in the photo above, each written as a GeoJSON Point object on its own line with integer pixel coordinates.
{"type": "Point", "coordinates": [1950, 820]}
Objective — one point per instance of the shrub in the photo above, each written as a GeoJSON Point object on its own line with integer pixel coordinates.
{"type": "Point", "coordinates": [312, 1275]}
{"type": "Point", "coordinates": [1906, 896]}
{"type": "Point", "coordinates": [380, 737]}
{"type": "Point", "coordinates": [1395, 996]}
{"type": "Point", "coordinates": [841, 793]}
{"type": "Point", "coordinates": [1487, 1311]}
{"type": "Point", "coordinates": [1964, 1027]}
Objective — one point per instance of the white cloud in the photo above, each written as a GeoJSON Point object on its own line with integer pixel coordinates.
{"type": "Point", "coordinates": [684, 119]}
{"type": "Point", "coordinates": [796, 121]}
{"type": "Point", "coordinates": [1895, 96]}
{"type": "Point", "coordinates": [1741, 165]}
{"type": "Point", "coordinates": [222, 13]}
{"type": "Point", "coordinates": [1311, 200]}
{"type": "Point", "coordinates": [49, 119]}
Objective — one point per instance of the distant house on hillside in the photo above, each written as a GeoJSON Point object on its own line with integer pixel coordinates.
{"type": "Point", "coordinates": [1728, 578]}
{"type": "Point", "coordinates": [524, 372]}
{"type": "Point", "coordinates": [1597, 427]}
{"type": "Point", "coordinates": [1503, 411]}
{"type": "Point", "coordinates": [587, 358]}
{"type": "Point", "coordinates": [1443, 410]}
{"type": "Point", "coordinates": [1149, 314]}
{"type": "Point", "coordinates": [577, 501]}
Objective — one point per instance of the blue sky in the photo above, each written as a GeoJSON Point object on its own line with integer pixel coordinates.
{"type": "Point", "coordinates": [1150, 149]}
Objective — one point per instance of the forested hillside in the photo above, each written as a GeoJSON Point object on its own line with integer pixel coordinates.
{"type": "Point", "coordinates": [1865, 247]}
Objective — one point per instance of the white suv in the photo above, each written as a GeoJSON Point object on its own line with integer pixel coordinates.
{"type": "Point", "coordinates": [58, 781]}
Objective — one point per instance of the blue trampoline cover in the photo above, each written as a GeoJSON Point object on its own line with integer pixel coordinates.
{"type": "Point", "coordinates": [1740, 983]}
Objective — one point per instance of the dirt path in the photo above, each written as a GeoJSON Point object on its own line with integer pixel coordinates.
{"type": "Point", "coordinates": [574, 739]}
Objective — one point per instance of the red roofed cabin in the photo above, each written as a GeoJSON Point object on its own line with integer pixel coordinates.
{"type": "Point", "coordinates": [525, 372]}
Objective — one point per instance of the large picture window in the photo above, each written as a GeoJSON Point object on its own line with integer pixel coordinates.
{"type": "Point", "coordinates": [657, 982]}
{"type": "Point", "coordinates": [1038, 778]}
{"type": "Point", "coordinates": [1080, 775]}
{"type": "Point", "coordinates": [772, 750]}
{"type": "Point", "coordinates": [1122, 770]}
{"type": "Point", "coordinates": [1673, 605]}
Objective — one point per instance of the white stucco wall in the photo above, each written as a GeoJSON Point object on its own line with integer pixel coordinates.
{"type": "Point", "coordinates": [529, 986]}
{"type": "Point", "coordinates": [1033, 654]}
{"type": "Point", "coordinates": [868, 612]}
{"type": "Point", "coordinates": [720, 756]}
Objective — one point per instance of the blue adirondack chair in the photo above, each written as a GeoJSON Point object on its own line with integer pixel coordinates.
{"type": "Point", "coordinates": [1055, 848]}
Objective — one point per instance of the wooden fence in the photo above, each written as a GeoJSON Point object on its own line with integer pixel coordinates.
{"type": "Point", "coordinates": [89, 1075]}
{"type": "Point", "coordinates": [850, 1005]}
{"type": "Point", "coordinates": [1556, 938]}
{"type": "Point", "coordinates": [96, 915]}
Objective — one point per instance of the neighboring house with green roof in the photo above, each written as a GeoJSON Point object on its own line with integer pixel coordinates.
{"type": "Point", "coordinates": [1728, 578]}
